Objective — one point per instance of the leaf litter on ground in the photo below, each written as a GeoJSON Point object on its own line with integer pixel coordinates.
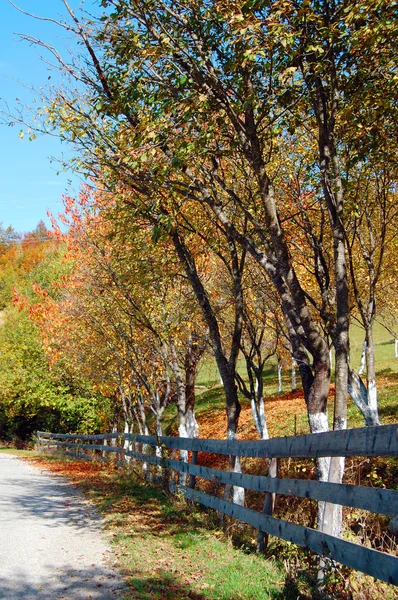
{"type": "Point", "coordinates": [163, 546]}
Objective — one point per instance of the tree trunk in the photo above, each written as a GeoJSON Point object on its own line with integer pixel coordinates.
{"type": "Point", "coordinates": [332, 518]}
{"type": "Point", "coordinates": [127, 443]}
{"type": "Point", "coordinates": [181, 402]}
{"type": "Point", "coordinates": [226, 370]}
{"type": "Point", "coordinates": [326, 106]}
{"type": "Point", "coordinates": [140, 416]}
{"type": "Point", "coordinates": [158, 410]}
{"type": "Point", "coordinates": [359, 395]}
{"type": "Point", "coordinates": [280, 371]}
{"type": "Point", "coordinates": [294, 379]}
{"type": "Point", "coordinates": [316, 389]}
{"type": "Point", "coordinates": [187, 424]}
{"type": "Point", "coordinates": [362, 363]}
{"type": "Point", "coordinates": [371, 374]}
{"type": "Point", "coordinates": [366, 398]}
{"type": "Point", "coordinates": [269, 503]}
{"type": "Point", "coordinates": [190, 365]}
{"type": "Point", "coordinates": [258, 412]}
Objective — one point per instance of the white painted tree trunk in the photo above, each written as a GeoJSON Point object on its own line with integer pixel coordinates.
{"type": "Point", "coordinates": [319, 424]}
{"type": "Point", "coordinates": [182, 432]}
{"type": "Point", "coordinates": [188, 427]}
{"type": "Point", "coordinates": [263, 420]}
{"type": "Point", "coordinates": [336, 510]}
{"type": "Point", "coordinates": [127, 443]}
{"type": "Point", "coordinates": [362, 364]}
{"type": "Point", "coordinates": [359, 394]}
{"type": "Point", "coordinates": [104, 452]}
{"type": "Point", "coordinates": [332, 517]}
{"type": "Point", "coordinates": [146, 449]}
{"type": "Point", "coordinates": [256, 416]}
{"type": "Point", "coordinates": [237, 493]}
{"type": "Point", "coordinates": [294, 377]}
{"type": "Point", "coordinates": [258, 412]}
{"type": "Point", "coordinates": [371, 374]}
{"type": "Point", "coordinates": [113, 441]}
{"type": "Point", "coordinates": [372, 395]}
{"type": "Point", "coordinates": [191, 424]}
{"type": "Point", "coordinates": [396, 347]}
{"type": "Point", "coordinates": [280, 382]}
{"type": "Point", "coordinates": [159, 430]}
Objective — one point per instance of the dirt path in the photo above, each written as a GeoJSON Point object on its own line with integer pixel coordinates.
{"type": "Point", "coordinates": [51, 542]}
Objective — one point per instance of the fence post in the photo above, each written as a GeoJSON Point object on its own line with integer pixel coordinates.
{"type": "Point", "coordinates": [174, 474]}
{"type": "Point", "coordinates": [76, 449]}
{"type": "Point", "coordinates": [268, 508]}
{"type": "Point", "coordinates": [194, 461]}
{"type": "Point", "coordinates": [394, 526]}
{"type": "Point", "coordinates": [120, 461]}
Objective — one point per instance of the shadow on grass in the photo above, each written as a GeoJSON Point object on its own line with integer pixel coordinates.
{"type": "Point", "coordinates": [158, 539]}
{"type": "Point", "coordinates": [152, 509]}
{"type": "Point", "coordinates": [183, 524]}
{"type": "Point", "coordinates": [212, 398]}
{"type": "Point", "coordinates": [388, 371]}
{"type": "Point", "coordinates": [161, 587]}
{"type": "Point", "coordinates": [387, 414]}
{"type": "Point", "coordinates": [18, 452]}
{"type": "Point", "coordinates": [165, 587]}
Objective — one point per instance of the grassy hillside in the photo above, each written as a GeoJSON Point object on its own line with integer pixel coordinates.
{"type": "Point", "coordinates": [286, 411]}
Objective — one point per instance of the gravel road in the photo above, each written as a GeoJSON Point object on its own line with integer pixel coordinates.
{"type": "Point", "coordinates": [51, 543]}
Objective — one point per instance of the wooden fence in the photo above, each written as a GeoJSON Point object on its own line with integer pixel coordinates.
{"type": "Point", "coordinates": [363, 442]}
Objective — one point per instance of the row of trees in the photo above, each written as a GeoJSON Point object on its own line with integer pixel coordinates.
{"type": "Point", "coordinates": [244, 154]}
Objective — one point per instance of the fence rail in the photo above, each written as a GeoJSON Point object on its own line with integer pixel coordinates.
{"type": "Point", "coordinates": [364, 442]}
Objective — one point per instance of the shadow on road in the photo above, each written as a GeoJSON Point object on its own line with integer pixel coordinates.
{"type": "Point", "coordinates": [70, 584]}
{"type": "Point", "coordinates": [57, 502]}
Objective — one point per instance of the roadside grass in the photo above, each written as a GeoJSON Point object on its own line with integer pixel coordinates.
{"type": "Point", "coordinates": [169, 549]}
{"type": "Point", "coordinates": [17, 452]}
{"type": "Point", "coordinates": [166, 548]}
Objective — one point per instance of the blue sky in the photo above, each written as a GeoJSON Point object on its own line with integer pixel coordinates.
{"type": "Point", "coordinates": [29, 184]}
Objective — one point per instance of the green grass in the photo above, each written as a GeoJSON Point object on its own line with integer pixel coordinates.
{"type": "Point", "coordinates": [7, 450]}
{"type": "Point", "coordinates": [196, 564]}
{"type": "Point", "coordinates": [386, 370]}
{"type": "Point", "coordinates": [210, 396]}
{"type": "Point", "coordinates": [230, 573]}
{"type": "Point", "coordinates": [385, 360]}
{"type": "Point", "coordinates": [169, 549]}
